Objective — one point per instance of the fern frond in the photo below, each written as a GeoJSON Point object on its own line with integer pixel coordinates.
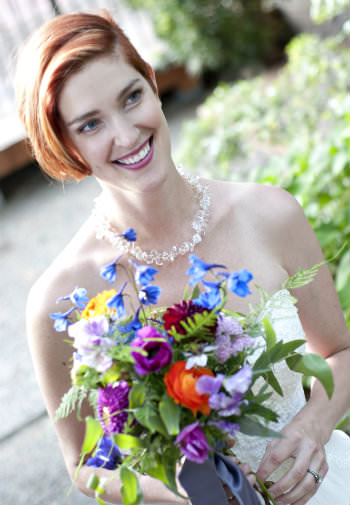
{"type": "Point", "coordinates": [70, 400]}
{"type": "Point", "coordinates": [199, 325]}
{"type": "Point", "coordinates": [302, 277]}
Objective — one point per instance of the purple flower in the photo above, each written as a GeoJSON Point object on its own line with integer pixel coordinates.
{"type": "Point", "coordinates": [207, 385]}
{"type": "Point", "coordinates": [240, 381]}
{"type": "Point", "coordinates": [226, 427]}
{"type": "Point", "coordinates": [223, 351]}
{"type": "Point", "coordinates": [107, 455]}
{"type": "Point", "coordinates": [149, 295]}
{"type": "Point", "coordinates": [159, 353]}
{"type": "Point", "coordinates": [93, 348]}
{"type": "Point", "coordinates": [143, 274]}
{"type": "Point", "coordinates": [112, 399]}
{"type": "Point", "coordinates": [61, 319]}
{"type": "Point", "coordinates": [240, 342]}
{"type": "Point", "coordinates": [77, 297]}
{"type": "Point", "coordinates": [199, 268]}
{"type": "Point", "coordinates": [117, 302]}
{"type": "Point", "coordinates": [237, 282]}
{"type": "Point", "coordinates": [193, 443]}
{"type": "Point", "coordinates": [228, 327]}
{"type": "Point", "coordinates": [109, 272]}
{"type": "Point", "coordinates": [226, 405]}
{"type": "Point", "coordinates": [236, 386]}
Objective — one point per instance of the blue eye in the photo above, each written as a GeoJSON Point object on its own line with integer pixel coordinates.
{"type": "Point", "coordinates": [89, 126]}
{"type": "Point", "coordinates": [134, 96]}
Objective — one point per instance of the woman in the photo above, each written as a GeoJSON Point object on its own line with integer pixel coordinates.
{"type": "Point", "coordinates": [90, 106]}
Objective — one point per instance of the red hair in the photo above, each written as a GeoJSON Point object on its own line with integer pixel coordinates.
{"type": "Point", "coordinates": [57, 50]}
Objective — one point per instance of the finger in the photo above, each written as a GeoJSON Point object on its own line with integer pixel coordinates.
{"type": "Point", "coordinates": [297, 472]}
{"type": "Point", "coordinates": [276, 453]}
{"type": "Point", "coordinates": [306, 488]}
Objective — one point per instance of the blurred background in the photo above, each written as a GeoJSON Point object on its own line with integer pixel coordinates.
{"type": "Point", "coordinates": [253, 90]}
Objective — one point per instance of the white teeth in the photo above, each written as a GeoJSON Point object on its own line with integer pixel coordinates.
{"type": "Point", "coordinates": [137, 157]}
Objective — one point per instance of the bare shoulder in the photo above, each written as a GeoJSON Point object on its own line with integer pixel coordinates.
{"type": "Point", "coordinates": [271, 206]}
{"type": "Point", "coordinates": [60, 278]}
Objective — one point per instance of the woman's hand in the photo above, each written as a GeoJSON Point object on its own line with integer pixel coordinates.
{"type": "Point", "coordinates": [301, 443]}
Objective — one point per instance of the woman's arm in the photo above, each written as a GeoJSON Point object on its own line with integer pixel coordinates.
{"type": "Point", "coordinates": [327, 335]}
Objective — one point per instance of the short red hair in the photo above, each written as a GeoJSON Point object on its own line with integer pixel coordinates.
{"type": "Point", "coordinates": [57, 50]}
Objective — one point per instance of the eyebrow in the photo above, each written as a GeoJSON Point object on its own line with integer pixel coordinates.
{"type": "Point", "coordinates": [123, 92]}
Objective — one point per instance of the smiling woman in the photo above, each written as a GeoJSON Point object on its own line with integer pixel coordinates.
{"type": "Point", "coordinates": [90, 107]}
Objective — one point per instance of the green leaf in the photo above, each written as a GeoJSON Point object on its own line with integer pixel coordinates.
{"type": "Point", "coordinates": [125, 441]}
{"type": "Point", "coordinates": [93, 431]}
{"type": "Point", "coordinates": [262, 411]}
{"type": "Point", "coordinates": [315, 365]}
{"type": "Point", "coordinates": [130, 488]}
{"type": "Point", "coordinates": [195, 292]}
{"type": "Point", "coordinates": [170, 413]}
{"type": "Point", "coordinates": [269, 333]}
{"type": "Point", "coordinates": [137, 395]}
{"type": "Point", "coordinates": [271, 379]}
{"type": "Point", "coordinates": [168, 460]}
{"type": "Point", "coordinates": [152, 465]}
{"type": "Point", "coordinates": [252, 427]}
{"type": "Point", "coordinates": [148, 416]}
{"type": "Point", "coordinates": [284, 349]}
{"type": "Point", "coordinates": [93, 481]}
{"type": "Point", "coordinates": [70, 400]}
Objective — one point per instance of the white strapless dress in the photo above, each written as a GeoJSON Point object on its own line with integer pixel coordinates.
{"type": "Point", "coordinates": [335, 488]}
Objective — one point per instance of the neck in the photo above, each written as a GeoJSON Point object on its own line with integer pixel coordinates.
{"type": "Point", "coordinates": [159, 214]}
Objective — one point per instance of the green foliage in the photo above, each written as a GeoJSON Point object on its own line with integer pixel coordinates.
{"type": "Point", "coordinates": [70, 401]}
{"type": "Point", "coordinates": [213, 34]}
{"type": "Point", "coordinates": [297, 126]}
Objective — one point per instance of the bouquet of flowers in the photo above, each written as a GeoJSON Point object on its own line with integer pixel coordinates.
{"type": "Point", "coordinates": [171, 382]}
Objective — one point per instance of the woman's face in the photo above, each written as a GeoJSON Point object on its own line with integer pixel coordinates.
{"type": "Point", "coordinates": [116, 122]}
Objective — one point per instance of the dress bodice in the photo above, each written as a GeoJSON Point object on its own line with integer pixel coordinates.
{"type": "Point", "coordinates": [283, 316]}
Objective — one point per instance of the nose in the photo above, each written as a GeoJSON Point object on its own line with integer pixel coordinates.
{"type": "Point", "coordinates": [125, 134]}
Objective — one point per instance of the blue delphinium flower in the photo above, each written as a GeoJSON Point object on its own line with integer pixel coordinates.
{"type": "Point", "coordinates": [199, 268]}
{"type": "Point", "coordinates": [109, 272]}
{"type": "Point", "coordinates": [107, 455]}
{"type": "Point", "coordinates": [143, 274]}
{"type": "Point", "coordinates": [61, 319]}
{"type": "Point", "coordinates": [77, 297]}
{"type": "Point", "coordinates": [149, 295]}
{"type": "Point", "coordinates": [117, 302]}
{"type": "Point", "coordinates": [237, 282]}
{"type": "Point", "coordinates": [129, 235]}
{"type": "Point", "coordinates": [211, 298]}
{"type": "Point", "coordinates": [132, 326]}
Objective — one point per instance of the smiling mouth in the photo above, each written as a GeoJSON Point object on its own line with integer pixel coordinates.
{"type": "Point", "coordinates": [138, 157]}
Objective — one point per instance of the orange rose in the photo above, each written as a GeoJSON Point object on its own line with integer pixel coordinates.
{"type": "Point", "coordinates": [97, 305]}
{"type": "Point", "coordinates": [181, 386]}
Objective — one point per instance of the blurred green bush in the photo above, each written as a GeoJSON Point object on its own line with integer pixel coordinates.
{"type": "Point", "coordinates": [216, 34]}
{"type": "Point", "coordinates": [292, 130]}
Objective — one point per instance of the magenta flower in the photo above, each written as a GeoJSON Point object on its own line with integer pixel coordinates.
{"type": "Point", "coordinates": [193, 443]}
{"type": "Point", "coordinates": [159, 353]}
{"type": "Point", "coordinates": [110, 401]}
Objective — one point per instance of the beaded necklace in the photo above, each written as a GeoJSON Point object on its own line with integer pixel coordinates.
{"type": "Point", "coordinates": [105, 231]}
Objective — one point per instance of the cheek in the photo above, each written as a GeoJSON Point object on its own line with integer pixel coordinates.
{"type": "Point", "coordinates": [92, 148]}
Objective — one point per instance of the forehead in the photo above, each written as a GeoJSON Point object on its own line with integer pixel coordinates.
{"type": "Point", "coordinates": [95, 84]}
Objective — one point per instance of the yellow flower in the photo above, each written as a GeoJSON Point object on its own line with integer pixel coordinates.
{"type": "Point", "coordinates": [97, 305]}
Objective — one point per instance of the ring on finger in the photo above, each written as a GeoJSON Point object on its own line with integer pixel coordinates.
{"type": "Point", "coordinates": [315, 475]}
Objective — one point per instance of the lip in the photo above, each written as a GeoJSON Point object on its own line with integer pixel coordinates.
{"type": "Point", "coordinates": [139, 164]}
